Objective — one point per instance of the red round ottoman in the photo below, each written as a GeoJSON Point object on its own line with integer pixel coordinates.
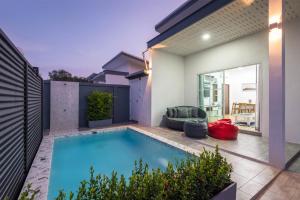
{"type": "Point", "coordinates": [223, 129]}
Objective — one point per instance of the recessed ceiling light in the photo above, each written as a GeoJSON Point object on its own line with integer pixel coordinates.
{"type": "Point", "coordinates": [206, 36]}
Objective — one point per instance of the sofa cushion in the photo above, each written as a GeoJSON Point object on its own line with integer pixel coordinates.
{"type": "Point", "coordinates": [196, 120]}
{"type": "Point", "coordinates": [194, 112]}
{"type": "Point", "coordinates": [182, 112]}
{"type": "Point", "coordinates": [189, 109]}
{"type": "Point", "coordinates": [179, 119]}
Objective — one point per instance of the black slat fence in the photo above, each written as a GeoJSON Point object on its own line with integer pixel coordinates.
{"type": "Point", "coordinates": [20, 117]}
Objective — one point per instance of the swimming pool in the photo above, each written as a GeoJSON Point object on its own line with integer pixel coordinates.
{"type": "Point", "coordinates": [114, 150]}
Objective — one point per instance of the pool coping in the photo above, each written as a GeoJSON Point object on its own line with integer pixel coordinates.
{"type": "Point", "coordinates": [39, 173]}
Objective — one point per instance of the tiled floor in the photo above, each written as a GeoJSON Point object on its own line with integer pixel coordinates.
{"type": "Point", "coordinates": [250, 176]}
{"type": "Point", "coordinates": [250, 146]}
{"type": "Point", "coordinates": [285, 187]}
{"type": "Point", "coordinates": [295, 166]}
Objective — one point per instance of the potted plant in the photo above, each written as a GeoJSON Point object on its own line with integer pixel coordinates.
{"type": "Point", "coordinates": [99, 109]}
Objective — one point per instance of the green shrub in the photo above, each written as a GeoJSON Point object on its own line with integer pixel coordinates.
{"type": "Point", "coordinates": [99, 106]}
{"type": "Point", "coordinates": [194, 178]}
{"type": "Point", "coordinates": [28, 193]}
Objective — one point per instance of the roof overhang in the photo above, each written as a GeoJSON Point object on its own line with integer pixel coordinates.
{"type": "Point", "coordinates": [201, 13]}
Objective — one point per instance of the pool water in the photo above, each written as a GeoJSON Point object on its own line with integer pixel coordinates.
{"type": "Point", "coordinates": [117, 150]}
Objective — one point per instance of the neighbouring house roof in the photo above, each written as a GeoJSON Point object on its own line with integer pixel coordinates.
{"type": "Point", "coordinates": [90, 77]}
{"type": "Point", "coordinates": [183, 17]}
{"type": "Point", "coordinates": [138, 74]}
{"type": "Point", "coordinates": [101, 76]}
{"type": "Point", "coordinates": [123, 58]}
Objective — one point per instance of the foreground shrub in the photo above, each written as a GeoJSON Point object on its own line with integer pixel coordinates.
{"type": "Point", "coordinates": [194, 178]}
{"type": "Point", "coordinates": [99, 106]}
{"type": "Point", "coordinates": [28, 193]}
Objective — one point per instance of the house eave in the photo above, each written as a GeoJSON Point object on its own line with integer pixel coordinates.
{"type": "Point", "coordinates": [188, 21]}
{"type": "Point", "coordinates": [186, 9]}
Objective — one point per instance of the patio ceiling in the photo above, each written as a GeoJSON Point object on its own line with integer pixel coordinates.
{"type": "Point", "coordinates": [238, 19]}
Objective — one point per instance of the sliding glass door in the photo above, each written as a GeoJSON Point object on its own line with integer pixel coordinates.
{"type": "Point", "coordinates": [211, 94]}
{"type": "Point", "coordinates": [233, 94]}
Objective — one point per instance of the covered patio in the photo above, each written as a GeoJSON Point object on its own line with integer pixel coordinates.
{"type": "Point", "coordinates": [223, 35]}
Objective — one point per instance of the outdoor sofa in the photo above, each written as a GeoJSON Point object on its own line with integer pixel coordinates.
{"type": "Point", "coordinates": [176, 116]}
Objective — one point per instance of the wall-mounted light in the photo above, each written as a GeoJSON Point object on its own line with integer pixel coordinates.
{"type": "Point", "coordinates": [159, 46]}
{"type": "Point", "coordinates": [146, 60]}
{"type": "Point", "coordinates": [206, 36]}
{"type": "Point", "coordinates": [275, 28]}
{"type": "Point", "coordinates": [247, 2]}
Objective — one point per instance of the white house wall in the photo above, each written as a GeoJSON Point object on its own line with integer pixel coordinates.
{"type": "Point", "coordinates": [134, 68]}
{"type": "Point", "coordinates": [292, 81]}
{"type": "Point", "coordinates": [129, 67]}
{"type": "Point", "coordinates": [167, 83]}
{"type": "Point", "coordinates": [116, 79]}
{"type": "Point", "coordinates": [140, 100]}
{"type": "Point", "coordinates": [120, 79]}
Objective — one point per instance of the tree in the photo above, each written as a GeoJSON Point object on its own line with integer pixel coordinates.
{"type": "Point", "coordinates": [63, 75]}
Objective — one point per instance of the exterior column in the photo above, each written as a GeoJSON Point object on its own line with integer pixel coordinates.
{"type": "Point", "coordinates": [276, 84]}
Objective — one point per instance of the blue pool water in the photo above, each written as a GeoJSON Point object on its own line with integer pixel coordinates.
{"type": "Point", "coordinates": [72, 157]}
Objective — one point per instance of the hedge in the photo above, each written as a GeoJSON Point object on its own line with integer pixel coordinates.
{"type": "Point", "coordinates": [99, 106]}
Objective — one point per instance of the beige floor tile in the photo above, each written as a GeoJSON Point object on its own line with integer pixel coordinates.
{"type": "Point", "coordinates": [251, 188]}
{"type": "Point", "coordinates": [240, 195]}
{"type": "Point", "coordinates": [281, 189]}
{"type": "Point", "coordinates": [272, 196]}
{"type": "Point", "coordinates": [296, 195]}
{"type": "Point", "coordinates": [245, 171]}
{"type": "Point", "coordinates": [266, 176]}
{"type": "Point", "coordinates": [240, 180]}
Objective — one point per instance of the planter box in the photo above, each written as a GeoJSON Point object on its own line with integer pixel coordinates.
{"type": "Point", "coordinates": [100, 123]}
{"type": "Point", "coordinates": [229, 193]}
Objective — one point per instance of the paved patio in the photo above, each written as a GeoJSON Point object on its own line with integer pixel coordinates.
{"type": "Point", "coordinates": [249, 146]}
{"type": "Point", "coordinates": [285, 187]}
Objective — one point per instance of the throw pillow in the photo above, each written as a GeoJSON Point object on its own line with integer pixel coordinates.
{"type": "Point", "coordinates": [175, 113]}
{"type": "Point", "coordinates": [170, 112]}
{"type": "Point", "coordinates": [182, 112]}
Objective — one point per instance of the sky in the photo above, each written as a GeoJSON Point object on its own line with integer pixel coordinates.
{"type": "Point", "coordinates": [81, 35]}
